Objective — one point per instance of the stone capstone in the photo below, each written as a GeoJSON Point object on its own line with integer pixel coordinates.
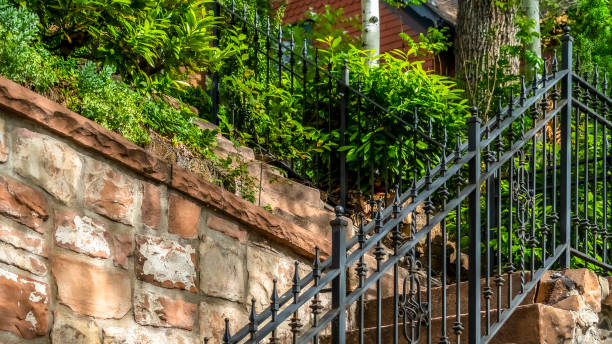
{"type": "Point", "coordinates": [23, 204]}
{"type": "Point", "coordinates": [82, 234]}
{"type": "Point", "coordinates": [110, 193]}
{"type": "Point", "coordinates": [183, 216]}
{"type": "Point", "coordinates": [166, 263]}
{"type": "Point", "coordinates": [157, 310]}
{"type": "Point", "coordinates": [52, 164]}
{"type": "Point", "coordinates": [69, 329]}
{"type": "Point", "coordinates": [23, 305]}
{"type": "Point", "coordinates": [91, 290]}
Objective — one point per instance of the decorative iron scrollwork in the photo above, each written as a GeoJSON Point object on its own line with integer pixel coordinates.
{"type": "Point", "coordinates": [413, 312]}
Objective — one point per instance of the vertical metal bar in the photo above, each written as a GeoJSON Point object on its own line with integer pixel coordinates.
{"type": "Point", "coordinates": [594, 227]}
{"type": "Point", "coordinates": [379, 254]}
{"type": "Point", "coordinates": [605, 194]}
{"type": "Point", "coordinates": [475, 230]}
{"type": "Point", "coordinates": [566, 148]}
{"type": "Point", "coordinates": [339, 225]}
{"type": "Point", "coordinates": [343, 113]}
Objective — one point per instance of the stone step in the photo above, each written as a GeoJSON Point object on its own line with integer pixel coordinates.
{"type": "Point", "coordinates": [529, 324]}
{"type": "Point", "coordinates": [451, 300]}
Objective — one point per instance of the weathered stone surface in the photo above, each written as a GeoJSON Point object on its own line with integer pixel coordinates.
{"type": "Point", "coordinates": [212, 318]}
{"type": "Point", "coordinates": [157, 310]}
{"type": "Point", "coordinates": [230, 228]}
{"type": "Point", "coordinates": [151, 206]}
{"type": "Point", "coordinates": [122, 249]}
{"type": "Point", "coordinates": [166, 263]}
{"type": "Point", "coordinates": [52, 164]}
{"type": "Point", "coordinates": [29, 241]}
{"type": "Point", "coordinates": [270, 225]}
{"type": "Point", "coordinates": [608, 300]}
{"type": "Point", "coordinates": [23, 305]}
{"type": "Point", "coordinates": [57, 118]}
{"type": "Point", "coordinates": [69, 329]}
{"type": "Point", "coordinates": [4, 150]}
{"type": "Point", "coordinates": [536, 324]}
{"type": "Point", "coordinates": [553, 287]}
{"type": "Point", "coordinates": [588, 285]}
{"type": "Point", "coordinates": [110, 193]}
{"type": "Point", "coordinates": [91, 290]}
{"type": "Point", "coordinates": [223, 267]}
{"type": "Point", "coordinates": [82, 234]}
{"type": "Point", "coordinates": [183, 216]}
{"type": "Point", "coordinates": [281, 192]}
{"type": "Point", "coordinates": [22, 203]}
{"type": "Point", "coordinates": [144, 335]}
{"type": "Point", "coordinates": [570, 303]}
{"type": "Point", "coordinates": [22, 259]}
{"type": "Point", "coordinates": [263, 267]}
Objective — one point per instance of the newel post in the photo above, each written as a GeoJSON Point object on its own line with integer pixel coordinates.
{"type": "Point", "coordinates": [566, 149]}
{"type": "Point", "coordinates": [475, 230]}
{"type": "Point", "coordinates": [339, 225]}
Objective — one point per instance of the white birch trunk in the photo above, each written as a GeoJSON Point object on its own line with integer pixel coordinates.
{"type": "Point", "coordinates": [532, 10]}
{"type": "Point", "coordinates": [371, 26]}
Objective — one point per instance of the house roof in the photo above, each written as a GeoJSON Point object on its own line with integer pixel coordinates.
{"type": "Point", "coordinates": [436, 12]}
{"type": "Point", "coordinates": [447, 9]}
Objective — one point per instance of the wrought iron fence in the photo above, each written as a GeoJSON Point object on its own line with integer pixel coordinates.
{"type": "Point", "coordinates": [331, 101]}
{"type": "Point", "coordinates": [527, 192]}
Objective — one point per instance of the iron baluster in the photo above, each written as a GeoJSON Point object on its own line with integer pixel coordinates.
{"type": "Point", "coordinates": [339, 282]}
{"type": "Point", "coordinates": [397, 241]}
{"type": "Point", "coordinates": [280, 56]}
{"type": "Point", "coordinates": [291, 60]}
{"type": "Point", "coordinates": [274, 306]}
{"type": "Point", "coordinates": [379, 254]}
{"type": "Point", "coordinates": [554, 216]}
{"type": "Point", "coordinates": [362, 270]}
{"type": "Point", "coordinates": [343, 117]}
{"type": "Point", "coordinates": [487, 291]}
{"type": "Point", "coordinates": [444, 194]}
{"type": "Point", "coordinates": [458, 180]}
{"type": "Point", "coordinates": [226, 333]}
{"type": "Point", "coordinates": [253, 320]}
{"type": "Point", "coordinates": [566, 150]}
{"type": "Point", "coordinates": [584, 224]}
{"type": "Point", "coordinates": [429, 208]}
{"type": "Point", "coordinates": [544, 228]}
{"type": "Point", "coordinates": [295, 324]}
{"type": "Point", "coordinates": [499, 279]}
{"type": "Point", "coordinates": [316, 306]}
{"type": "Point", "coordinates": [475, 230]}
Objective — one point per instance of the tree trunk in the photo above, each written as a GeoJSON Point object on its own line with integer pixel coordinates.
{"type": "Point", "coordinates": [371, 26]}
{"type": "Point", "coordinates": [532, 11]}
{"type": "Point", "coordinates": [484, 27]}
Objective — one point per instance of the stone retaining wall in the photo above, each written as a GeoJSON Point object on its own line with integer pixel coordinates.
{"type": "Point", "coordinates": [101, 242]}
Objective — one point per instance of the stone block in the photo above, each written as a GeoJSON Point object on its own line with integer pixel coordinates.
{"type": "Point", "coordinates": [263, 267]}
{"type": "Point", "coordinates": [82, 234]}
{"type": "Point", "coordinates": [69, 329]}
{"type": "Point", "coordinates": [153, 309]}
{"type": "Point", "coordinates": [122, 249]}
{"type": "Point", "coordinates": [110, 193]}
{"type": "Point", "coordinates": [22, 259]}
{"type": "Point", "coordinates": [151, 206]}
{"type": "Point", "coordinates": [166, 263]}
{"type": "Point", "coordinates": [223, 267]}
{"type": "Point", "coordinates": [52, 164]}
{"type": "Point", "coordinates": [570, 303]}
{"type": "Point", "coordinates": [183, 216]}
{"type": "Point", "coordinates": [24, 309]}
{"type": "Point", "coordinates": [212, 318]}
{"type": "Point", "coordinates": [608, 299]}
{"type": "Point", "coordinates": [225, 226]}
{"type": "Point", "coordinates": [27, 240]}
{"type": "Point", "coordinates": [144, 335]}
{"type": "Point", "coordinates": [23, 204]}
{"type": "Point", "coordinates": [280, 192]}
{"type": "Point", "coordinates": [91, 290]}
{"type": "Point", "coordinates": [588, 285]}
{"type": "Point", "coordinates": [4, 149]}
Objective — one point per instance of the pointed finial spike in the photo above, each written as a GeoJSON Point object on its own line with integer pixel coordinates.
{"type": "Point", "coordinates": [253, 315]}
{"type": "Point", "coordinates": [226, 335]}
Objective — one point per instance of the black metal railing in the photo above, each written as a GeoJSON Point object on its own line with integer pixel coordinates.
{"type": "Point", "coordinates": [328, 99]}
{"type": "Point", "coordinates": [527, 192]}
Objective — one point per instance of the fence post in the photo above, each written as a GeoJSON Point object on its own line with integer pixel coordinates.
{"type": "Point", "coordinates": [343, 113]}
{"type": "Point", "coordinates": [339, 225]}
{"type": "Point", "coordinates": [214, 92]}
{"type": "Point", "coordinates": [566, 149]}
{"type": "Point", "coordinates": [475, 230]}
